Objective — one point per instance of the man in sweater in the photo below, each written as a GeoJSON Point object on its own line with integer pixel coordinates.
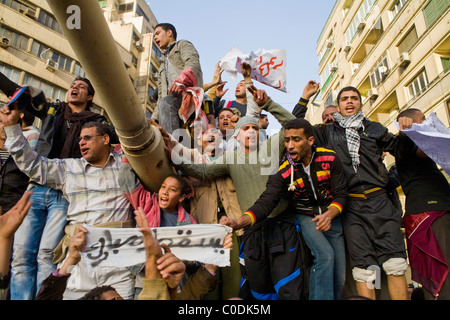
{"type": "Point", "coordinates": [427, 213]}
{"type": "Point", "coordinates": [250, 164]}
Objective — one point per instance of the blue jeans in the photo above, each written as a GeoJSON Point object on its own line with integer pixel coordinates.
{"type": "Point", "coordinates": [327, 275]}
{"type": "Point", "coordinates": [35, 240]}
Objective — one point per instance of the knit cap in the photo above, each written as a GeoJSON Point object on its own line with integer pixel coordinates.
{"type": "Point", "coordinates": [243, 121]}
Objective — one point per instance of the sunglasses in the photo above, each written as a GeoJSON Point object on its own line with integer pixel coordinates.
{"type": "Point", "coordinates": [87, 137]}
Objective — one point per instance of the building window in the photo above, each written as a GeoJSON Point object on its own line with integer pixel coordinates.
{"type": "Point", "coordinates": [134, 60]}
{"type": "Point", "coordinates": [408, 41]}
{"type": "Point", "coordinates": [103, 3]}
{"type": "Point", "coordinates": [153, 69]}
{"type": "Point", "coordinates": [49, 21]}
{"type": "Point", "coordinates": [152, 94]}
{"type": "Point", "coordinates": [38, 48]}
{"type": "Point", "coordinates": [141, 13]}
{"type": "Point", "coordinates": [327, 74]}
{"type": "Point", "coordinates": [433, 10]}
{"type": "Point", "coordinates": [78, 71]}
{"type": "Point", "coordinates": [156, 50]}
{"type": "Point", "coordinates": [50, 90]}
{"type": "Point", "coordinates": [418, 85]}
{"type": "Point", "coordinates": [379, 72]}
{"type": "Point", "coordinates": [396, 8]}
{"type": "Point", "coordinates": [63, 61]}
{"type": "Point", "coordinates": [17, 40]}
{"type": "Point", "coordinates": [361, 15]}
{"type": "Point", "coordinates": [126, 7]}
{"type": "Point", "coordinates": [445, 63]}
{"type": "Point", "coordinates": [11, 73]}
{"type": "Point", "coordinates": [15, 5]}
{"type": "Point", "coordinates": [329, 99]}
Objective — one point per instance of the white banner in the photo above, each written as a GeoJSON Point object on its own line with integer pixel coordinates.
{"type": "Point", "coordinates": [433, 138]}
{"type": "Point", "coordinates": [268, 66]}
{"type": "Point", "coordinates": [124, 247]}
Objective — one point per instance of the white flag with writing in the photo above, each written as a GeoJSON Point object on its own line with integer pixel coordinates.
{"type": "Point", "coordinates": [124, 247]}
{"type": "Point", "coordinates": [268, 66]}
{"type": "Point", "coordinates": [433, 138]}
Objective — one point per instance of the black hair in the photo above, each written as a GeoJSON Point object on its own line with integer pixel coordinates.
{"type": "Point", "coordinates": [225, 109]}
{"type": "Point", "coordinates": [168, 26]}
{"type": "Point", "coordinates": [91, 90]}
{"type": "Point", "coordinates": [349, 88]}
{"type": "Point", "coordinates": [262, 115]}
{"type": "Point", "coordinates": [412, 113]}
{"type": "Point", "coordinates": [100, 128]}
{"type": "Point", "coordinates": [28, 117]}
{"type": "Point", "coordinates": [184, 185]}
{"type": "Point", "coordinates": [95, 294]}
{"type": "Point", "coordinates": [300, 123]}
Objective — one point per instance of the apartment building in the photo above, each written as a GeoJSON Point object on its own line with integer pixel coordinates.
{"type": "Point", "coordinates": [34, 51]}
{"type": "Point", "coordinates": [396, 52]}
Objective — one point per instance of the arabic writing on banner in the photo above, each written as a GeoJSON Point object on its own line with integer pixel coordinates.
{"type": "Point", "coordinates": [124, 247]}
{"type": "Point", "coordinates": [268, 66]}
{"type": "Point", "coordinates": [433, 138]}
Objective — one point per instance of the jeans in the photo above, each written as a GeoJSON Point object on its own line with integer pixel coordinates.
{"type": "Point", "coordinates": [327, 274]}
{"type": "Point", "coordinates": [169, 118]}
{"type": "Point", "coordinates": [35, 240]}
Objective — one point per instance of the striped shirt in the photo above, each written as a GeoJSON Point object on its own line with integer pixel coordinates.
{"type": "Point", "coordinates": [32, 135]}
{"type": "Point", "coordinates": [93, 192]}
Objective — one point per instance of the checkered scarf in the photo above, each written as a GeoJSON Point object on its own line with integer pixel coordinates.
{"type": "Point", "coordinates": [351, 124]}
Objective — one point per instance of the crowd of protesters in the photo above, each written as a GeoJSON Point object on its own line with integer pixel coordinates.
{"type": "Point", "coordinates": [314, 211]}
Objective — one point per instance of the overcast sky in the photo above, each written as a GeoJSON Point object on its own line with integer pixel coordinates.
{"type": "Point", "coordinates": [215, 27]}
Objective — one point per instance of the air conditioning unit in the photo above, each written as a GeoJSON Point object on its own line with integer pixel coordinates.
{"type": "Point", "coordinates": [139, 46]}
{"type": "Point", "coordinates": [51, 65]}
{"type": "Point", "coordinates": [372, 94]}
{"type": "Point", "coordinates": [5, 42]}
{"type": "Point", "coordinates": [329, 43]}
{"type": "Point", "coordinates": [141, 81]}
{"type": "Point", "coordinates": [333, 67]}
{"type": "Point", "coordinates": [382, 70]}
{"type": "Point", "coordinates": [30, 12]}
{"type": "Point", "coordinates": [361, 24]}
{"type": "Point", "coordinates": [347, 46]}
{"type": "Point", "coordinates": [404, 59]}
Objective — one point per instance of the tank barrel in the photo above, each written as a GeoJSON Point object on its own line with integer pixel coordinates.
{"type": "Point", "coordinates": [95, 48]}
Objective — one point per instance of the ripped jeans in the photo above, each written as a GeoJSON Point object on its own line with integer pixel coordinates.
{"type": "Point", "coordinates": [35, 240]}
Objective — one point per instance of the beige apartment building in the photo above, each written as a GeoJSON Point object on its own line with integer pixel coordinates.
{"type": "Point", "coordinates": [34, 51]}
{"type": "Point", "coordinates": [396, 52]}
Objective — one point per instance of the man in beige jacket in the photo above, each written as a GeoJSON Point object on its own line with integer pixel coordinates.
{"type": "Point", "coordinates": [177, 56]}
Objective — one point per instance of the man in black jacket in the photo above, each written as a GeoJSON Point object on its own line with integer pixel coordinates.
{"type": "Point", "coordinates": [13, 182]}
{"type": "Point", "coordinates": [43, 227]}
{"type": "Point", "coordinates": [370, 220]}
{"type": "Point", "coordinates": [427, 214]}
{"type": "Point", "coordinates": [313, 181]}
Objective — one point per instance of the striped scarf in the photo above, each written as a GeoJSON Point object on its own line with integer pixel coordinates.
{"type": "Point", "coordinates": [351, 124]}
